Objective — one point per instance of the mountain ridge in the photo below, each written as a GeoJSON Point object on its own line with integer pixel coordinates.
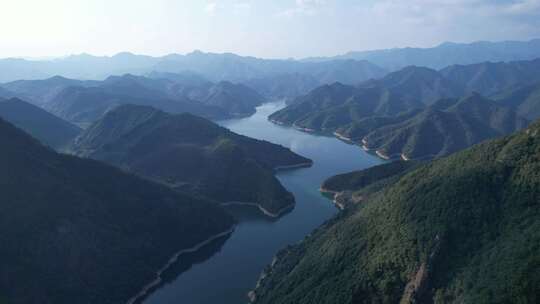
{"type": "Point", "coordinates": [191, 154]}
{"type": "Point", "coordinates": [60, 215]}
{"type": "Point", "coordinates": [432, 235]}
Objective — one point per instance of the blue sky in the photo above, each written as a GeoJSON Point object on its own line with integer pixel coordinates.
{"type": "Point", "coordinates": [273, 29]}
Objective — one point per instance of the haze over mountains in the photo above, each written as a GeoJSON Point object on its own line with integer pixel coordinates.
{"type": "Point", "coordinates": [83, 102]}
{"type": "Point", "coordinates": [448, 53]}
{"type": "Point", "coordinates": [352, 67]}
{"type": "Point", "coordinates": [406, 112]}
{"type": "Point", "coordinates": [215, 67]}
{"type": "Point", "coordinates": [151, 173]}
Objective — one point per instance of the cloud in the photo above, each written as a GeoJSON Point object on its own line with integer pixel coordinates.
{"type": "Point", "coordinates": [523, 7]}
{"type": "Point", "coordinates": [304, 7]}
{"type": "Point", "coordinates": [393, 23]}
{"type": "Point", "coordinates": [238, 7]}
{"type": "Point", "coordinates": [433, 11]}
{"type": "Point", "coordinates": [241, 7]}
{"type": "Point", "coordinates": [211, 8]}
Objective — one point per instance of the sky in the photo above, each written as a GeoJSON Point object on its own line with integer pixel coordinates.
{"type": "Point", "coordinates": [269, 28]}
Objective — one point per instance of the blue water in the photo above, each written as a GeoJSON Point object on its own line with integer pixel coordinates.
{"type": "Point", "coordinates": [227, 271]}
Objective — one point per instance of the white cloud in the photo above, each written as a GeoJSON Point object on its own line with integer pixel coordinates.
{"type": "Point", "coordinates": [238, 7]}
{"type": "Point", "coordinates": [241, 7]}
{"type": "Point", "coordinates": [388, 23]}
{"type": "Point", "coordinates": [304, 7]}
{"type": "Point", "coordinates": [211, 8]}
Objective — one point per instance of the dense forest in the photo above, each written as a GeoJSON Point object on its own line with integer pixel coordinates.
{"type": "Point", "coordinates": [458, 229]}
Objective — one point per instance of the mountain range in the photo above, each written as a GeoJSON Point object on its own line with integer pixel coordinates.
{"type": "Point", "coordinates": [447, 54]}
{"type": "Point", "coordinates": [448, 126]}
{"type": "Point", "coordinates": [83, 102]}
{"type": "Point", "coordinates": [215, 67]}
{"type": "Point", "coordinates": [147, 176]}
{"type": "Point", "coordinates": [191, 154]}
{"type": "Point", "coordinates": [417, 112]}
{"type": "Point", "coordinates": [79, 230]}
{"type": "Point", "coordinates": [461, 229]}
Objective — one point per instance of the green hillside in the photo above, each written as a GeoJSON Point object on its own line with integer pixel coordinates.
{"type": "Point", "coordinates": [191, 154]}
{"type": "Point", "coordinates": [78, 231]}
{"type": "Point", "coordinates": [448, 126]}
{"type": "Point", "coordinates": [461, 229]}
{"type": "Point", "coordinates": [525, 99]}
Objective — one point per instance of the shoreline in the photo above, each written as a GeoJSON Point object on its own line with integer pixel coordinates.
{"type": "Point", "coordinates": [344, 138]}
{"type": "Point", "coordinates": [362, 143]}
{"type": "Point", "coordinates": [261, 208]}
{"type": "Point", "coordinates": [277, 122]}
{"type": "Point", "coordinates": [296, 166]}
{"type": "Point", "coordinates": [382, 155]}
{"type": "Point", "coordinates": [307, 130]}
{"type": "Point", "coordinates": [148, 287]}
{"type": "Point", "coordinates": [335, 196]}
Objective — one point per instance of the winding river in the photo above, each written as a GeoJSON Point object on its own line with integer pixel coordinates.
{"type": "Point", "coordinates": [225, 270]}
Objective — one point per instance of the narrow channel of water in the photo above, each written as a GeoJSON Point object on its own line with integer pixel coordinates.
{"type": "Point", "coordinates": [224, 272]}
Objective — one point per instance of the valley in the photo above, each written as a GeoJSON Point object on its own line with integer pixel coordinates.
{"type": "Point", "coordinates": [256, 239]}
{"type": "Point", "coordinates": [403, 175]}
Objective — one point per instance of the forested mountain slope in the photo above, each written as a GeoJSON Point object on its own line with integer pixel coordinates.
{"type": "Point", "coordinates": [461, 229]}
{"type": "Point", "coordinates": [79, 231]}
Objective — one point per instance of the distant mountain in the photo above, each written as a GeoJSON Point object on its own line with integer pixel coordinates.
{"type": "Point", "coordinates": [81, 66]}
{"type": "Point", "coordinates": [45, 127]}
{"type": "Point", "coordinates": [344, 71]}
{"type": "Point", "coordinates": [238, 99]}
{"type": "Point", "coordinates": [192, 154]}
{"type": "Point", "coordinates": [419, 84]}
{"type": "Point", "coordinates": [184, 78]}
{"type": "Point", "coordinates": [231, 67]}
{"type": "Point", "coordinates": [489, 78]}
{"type": "Point", "coordinates": [82, 102]}
{"type": "Point", "coordinates": [448, 54]}
{"type": "Point", "coordinates": [40, 92]}
{"type": "Point", "coordinates": [461, 229]}
{"type": "Point", "coordinates": [330, 107]}
{"type": "Point", "coordinates": [284, 86]}
{"type": "Point", "coordinates": [83, 106]}
{"type": "Point", "coordinates": [233, 99]}
{"type": "Point", "coordinates": [215, 67]}
{"type": "Point", "coordinates": [448, 126]}
{"type": "Point", "coordinates": [406, 109]}
{"type": "Point", "coordinates": [78, 231]}
{"type": "Point", "coordinates": [525, 99]}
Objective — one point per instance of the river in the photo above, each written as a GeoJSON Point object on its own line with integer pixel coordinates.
{"type": "Point", "coordinates": [224, 272]}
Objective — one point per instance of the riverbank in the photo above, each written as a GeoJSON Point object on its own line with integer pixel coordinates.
{"type": "Point", "coordinates": [146, 290]}
{"type": "Point", "coordinates": [266, 212]}
{"type": "Point", "coordinates": [257, 238]}
{"type": "Point", "coordinates": [362, 143]}
{"type": "Point", "coordinates": [334, 194]}
{"type": "Point", "coordinates": [342, 199]}
{"type": "Point", "coordinates": [296, 166]}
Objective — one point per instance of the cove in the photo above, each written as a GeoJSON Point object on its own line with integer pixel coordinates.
{"type": "Point", "coordinates": [225, 271]}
